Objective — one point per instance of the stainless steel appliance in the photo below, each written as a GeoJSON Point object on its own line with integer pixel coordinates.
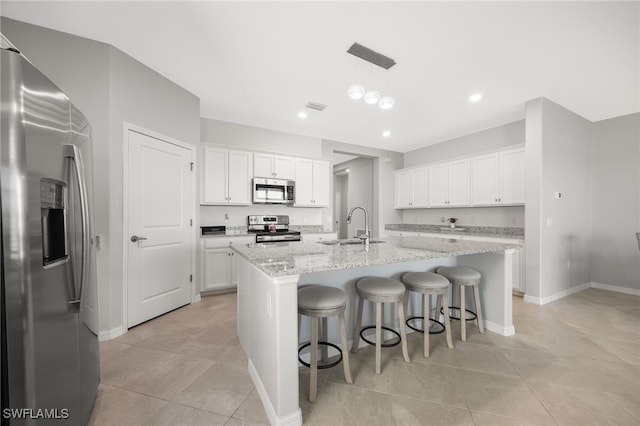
{"type": "Point", "coordinates": [273, 191]}
{"type": "Point", "coordinates": [49, 352]}
{"type": "Point", "coordinates": [272, 229]}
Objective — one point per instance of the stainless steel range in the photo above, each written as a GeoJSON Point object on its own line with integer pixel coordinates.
{"type": "Point", "coordinates": [271, 229]}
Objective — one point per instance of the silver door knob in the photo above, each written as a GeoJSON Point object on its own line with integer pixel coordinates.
{"type": "Point", "coordinates": [135, 238]}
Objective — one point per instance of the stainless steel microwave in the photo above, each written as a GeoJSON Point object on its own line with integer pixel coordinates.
{"type": "Point", "coordinates": [273, 191]}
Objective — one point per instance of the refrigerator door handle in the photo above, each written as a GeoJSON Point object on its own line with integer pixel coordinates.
{"type": "Point", "coordinates": [72, 152]}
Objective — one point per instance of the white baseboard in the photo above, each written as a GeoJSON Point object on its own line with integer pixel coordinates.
{"type": "Point", "coordinates": [557, 296]}
{"type": "Point", "coordinates": [294, 419]}
{"type": "Point", "coordinates": [110, 334]}
{"type": "Point", "coordinates": [196, 298]}
{"type": "Point", "coordinates": [498, 329]}
{"type": "Point", "coordinates": [617, 289]}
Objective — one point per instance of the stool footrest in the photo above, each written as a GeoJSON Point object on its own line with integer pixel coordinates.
{"type": "Point", "coordinates": [383, 345]}
{"type": "Point", "coordinates": [432, 322]}
{"type": "Point", "coordinates": [321, 366]}
{"type": "Point", "coordinates": [472, 317]}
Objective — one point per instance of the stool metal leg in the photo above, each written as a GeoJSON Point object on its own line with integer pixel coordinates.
{"type": "Point", "coordinates": [379, 335]}
{"type": "Point", "coordinates": [403, 333]}
{"type": "Point", "coordinates": [313, 379]}
{"type": "Point", "coordinates": [356, 331]}
{"type": "Point", "coordinates": [426, 310]}
{"type": "Point", "coordinates": [345, 351]}
{"type": "Point", "coordinates": [463, 314]}
{"type": "Point", "coordinates": [476, 294]}
{"type": "Point", "coordinates": [447, 322]}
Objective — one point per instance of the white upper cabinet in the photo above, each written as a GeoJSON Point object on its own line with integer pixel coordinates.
{"type": "Point", "coordinates": [512, 176]}
{"type": "Point", "coordinates": [498, 178]}
{"type": "Point", "coordinates": [226, 177]}
{"type": "Point", "coordinates": [449, 184]}
{"type": "Point", "coordinates": [312, 183]}
{"type": "Point", "coordinates": [411, 188]}
{"type": "Point", "coordinates": [273, 166]}
{"type": "Point", "coordinates": [484, 184]}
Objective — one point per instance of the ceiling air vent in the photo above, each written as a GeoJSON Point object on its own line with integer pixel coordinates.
{"type": "Point", "coordinates": [315, 105]}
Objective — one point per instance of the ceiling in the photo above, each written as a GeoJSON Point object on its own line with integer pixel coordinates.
{"type": "Point", "coordinates": [259, 63]}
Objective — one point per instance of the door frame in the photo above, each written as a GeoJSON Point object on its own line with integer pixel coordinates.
{"type": "Point", "coordinates": [125, 212]}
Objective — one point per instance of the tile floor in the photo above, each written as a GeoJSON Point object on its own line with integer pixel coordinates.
{"type": "Point", "coordinates": [572, 362]}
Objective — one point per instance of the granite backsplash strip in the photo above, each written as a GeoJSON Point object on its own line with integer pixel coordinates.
{"type": "Point", "coordinates": [307, 229]}
{"type": "Point", "coordinates": [488, 231]}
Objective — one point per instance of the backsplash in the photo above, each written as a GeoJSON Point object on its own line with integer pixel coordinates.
{"type": "Point", "coordinates": [472, 230]}
{"type": "Point", "coordinates": [470, 216]}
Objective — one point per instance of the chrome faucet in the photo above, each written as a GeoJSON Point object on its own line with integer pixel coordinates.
{"type": "Point", "coordinates": [364, 237]}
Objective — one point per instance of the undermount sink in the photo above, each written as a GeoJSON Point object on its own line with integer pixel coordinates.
{"type": "Point", "coordinates": [348, 242]}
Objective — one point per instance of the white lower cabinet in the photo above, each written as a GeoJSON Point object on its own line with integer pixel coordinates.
{"type": "Point", "coordinates": [519, 283]}
{"type": "Point", "coordinates": [219, 265]}
{"type": "Point", "coordinates": [314, 238]}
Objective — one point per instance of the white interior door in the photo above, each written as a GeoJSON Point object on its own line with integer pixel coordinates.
{"type": "Point", "coordinates": [160, 213]}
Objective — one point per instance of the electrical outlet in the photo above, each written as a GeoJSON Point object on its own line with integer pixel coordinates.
{"type": "Point", "coordinates": [568, 263]}
{"type": "Point", "coordinates": [442, 219]}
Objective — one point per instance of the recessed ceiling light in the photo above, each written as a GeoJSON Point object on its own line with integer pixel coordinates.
{"type": "Point", "coordinates": [302, 114]}
{"type": "Point", "coordinates": [475, 97]}
{"type": "Point", "coordinates": [386, 133]}
{"type": "Point", "coordinates": [346, 170]}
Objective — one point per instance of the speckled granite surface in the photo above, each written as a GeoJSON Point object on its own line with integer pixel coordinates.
{"type": "Point", "coordinates": [309, 229]}
{"type": "Point", "coordinates": [299, 258]}
{"type": "Point", "coordinates": [483, 231]}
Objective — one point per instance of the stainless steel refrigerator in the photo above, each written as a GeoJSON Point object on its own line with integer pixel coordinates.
{"type": "Point", "coordinates": [50, 366]}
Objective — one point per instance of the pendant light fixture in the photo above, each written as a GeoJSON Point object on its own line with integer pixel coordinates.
{"type": "Point", "coordinates": [357, 91]}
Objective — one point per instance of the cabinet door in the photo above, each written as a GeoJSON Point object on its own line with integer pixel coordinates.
{"type": "Point", "coordinates": [304, 182]}
{"type": "Point", "coordinates": [484, 180]}
{"type": "Point", "coordinates": [263, 165]}
{"type": "Point", "coordinates": [214, 177]}
{"type": "Point", "coordinates": [403, 189]}
{"type": "Point", "coordinates": [459, 183]}
{"type": "Point", "coordinates": [283, 167]}
{"type": "Point", "coordinates": [240, 166]}
{"type": "Point", "coordinates": [512, 177]}
{"type": "Point", "coordinates": [321, 184]}
{"type": "Point", "coordinates": [217, 269]}
{"type": "Point", "coordinates": [419, 188]}
{"type": "Point", "coordinates": [439, 185]}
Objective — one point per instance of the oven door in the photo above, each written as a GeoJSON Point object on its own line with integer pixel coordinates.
{"type": "Point", "coordinates": [277, 236]}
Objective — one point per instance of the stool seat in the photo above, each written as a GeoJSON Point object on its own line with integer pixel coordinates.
{"type": "Point", "coordinates": [380, 287]}
{"type": "Point", "coordinates": [321, 297]}
{"type": "Point", "coordinates": [425, 280]}
{"type": "Point", "coordinates": [460, 275]}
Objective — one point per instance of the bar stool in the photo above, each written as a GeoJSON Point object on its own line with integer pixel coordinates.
{"type": "Point", "coordinates": [428, 283]}
{"type": "Point", "coordinates": [318, 301]}
{"type": "Point", "coordinates": [379, 291]}
{"type": "Point", "coordinates": [464, 277]}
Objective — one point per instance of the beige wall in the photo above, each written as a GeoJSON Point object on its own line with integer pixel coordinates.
{"type": "Point", "coordinates": [384, 164]}
{"type": "Point", "coordinates": [615, 172]}
{"type": "Point", "coordinates": [564, 225]}
{"type": "Point", "coordinates": [110, 88]}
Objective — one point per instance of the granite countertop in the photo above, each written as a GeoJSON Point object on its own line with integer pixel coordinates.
{"type": "Point", "coordinates": [284, 259]}
{"type": "Point", "coordinates": [480, 231]}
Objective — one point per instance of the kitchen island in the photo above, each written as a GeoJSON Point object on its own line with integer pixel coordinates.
{"type": "Point", "coordinates": [269, 276]}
